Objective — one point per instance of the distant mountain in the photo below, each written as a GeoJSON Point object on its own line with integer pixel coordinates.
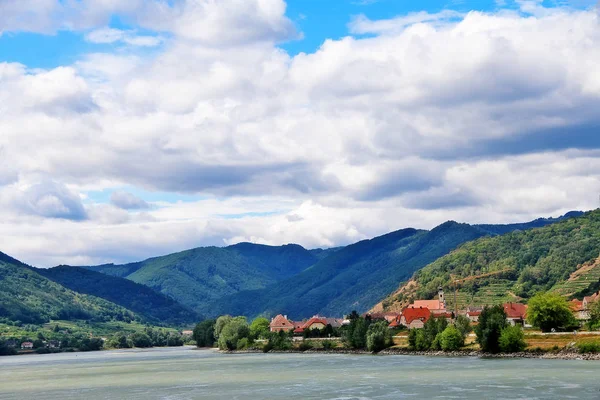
{"type": "Point", "coordinates": [151, 305]}
{"type": "Point", "coordinates": [355, 277]}
{"type": "Point", "coordinates": [561, 257]}
{"type": "Point", "coordinates": [501, 229]}
{"type": "Point", "coordinates": [27, 296]}
{"type": "Point", "coordinates": [250, 279]}
{"type": "Point", "coordinates": [197, 277]}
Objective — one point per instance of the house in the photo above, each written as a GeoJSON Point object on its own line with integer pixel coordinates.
{"type": "Point", "coordinates": [27, 345]}
{"type": "Point", "coordinates": [11, 343]}
{"type": "Point", "coordinates": [437, 306]}
{"type": "Point", "coordinates": [580, 312]}
{"type": "Point", "coordinates": [515, 313]}
{"type": "Point", "coordinates": [388, 316]}
{"type": "Point", "coordinates": [53, 344]}
{"type": "Point", "coordinates": [588, 300]}
{"type": "Point", "coordinates": [187, 333]}
{"type": "Point", "coordinates": [334, 322]}
{"type": "Point", "coordinates": [473, 314]}
{"type": "Point", "coordinates": [315, 322]}
{"type": "Point", "coordinates": [281, 323]}
{"type": "Point", "coordinates": [413, 317]}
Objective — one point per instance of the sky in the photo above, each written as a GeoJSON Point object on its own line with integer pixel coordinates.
{"type": "Point", "coordinates": [131, 129]}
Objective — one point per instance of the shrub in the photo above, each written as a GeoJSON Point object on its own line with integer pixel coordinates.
{"type": "Point", "coordinates": [451, 339]}
{"type": "Point", "coordinates": [588, 347]}
{"type": "Point", "coordinates": [305, 345]}
{"type": "Point", "coordinates": [242, 344]}
{"type": "Point", "coordinates": [512, 339]}
{"type": "Point", "coordinates": [328, 345]}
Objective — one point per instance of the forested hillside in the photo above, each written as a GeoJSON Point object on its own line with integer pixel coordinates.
{"type": "Point", "coordinates": [28, 297]}
{"type": "Point", "coordinates": [153, 306]}
{"type": "Point", "coordinates": [560, 257]}
{"type": "Point", "coordinates": [199, 276]}
{"type": "Point", "coordinates": [354, 277]}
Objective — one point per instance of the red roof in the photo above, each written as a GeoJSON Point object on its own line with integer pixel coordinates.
{"type": "Point", "coordinates": [515, 310]}
{"type": "Point", "coordinates": [395, 323]}
{"type": "Point", "coordinates": [576, 305]}
{"type": "Point", "coordinates": [412, 313]}
{"type": "Point", "coordinates": [281, 322]}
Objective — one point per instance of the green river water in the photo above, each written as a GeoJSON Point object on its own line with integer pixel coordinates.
{"type": "Point", "coordinates": [185, 373]}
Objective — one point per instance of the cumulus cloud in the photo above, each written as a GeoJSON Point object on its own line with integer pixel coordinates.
{"type": "Point", "coordinates": [110, 35]}
{"type": "Point", "coordinates": [482, 117]}
{"type": "Point", "coordinates": [51, 200]}
{"type": "Point", "coordinates": [127, 201]}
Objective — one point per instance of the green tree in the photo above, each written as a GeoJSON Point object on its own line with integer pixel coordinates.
{"type": "Point", "coordinates": [463, 324]}
{"type": "Point", "coordinates": [379, 336]}
{"type": "Point", "coordinates": [359, 333]}
{"type": "Point", "coordinates": [236, 329]}
{"type": "Point", "coordinates": [512, 339]}
{"type": "Point", "coordinates": [549, 311]}
{"type": "Point", "coordinates": [451, 339]}
{"type": "Point", "coordinates": [220, 324]}
{"type": "Point", "coordinates": [594, 320]}
{"type": "Point", "coordinates": [421, 341]}
{"type": "Point", "coordinates": [259, 328]}
{"type": "Point", "coordinates": [204, 333]}
{"type": "Point", "coordinates": [491, 322]}
{"type": "Point", "coordinates": [141, 340]}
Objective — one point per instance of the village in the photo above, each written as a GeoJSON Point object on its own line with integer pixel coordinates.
{"type": "Point", "coordinates": [416, 314]}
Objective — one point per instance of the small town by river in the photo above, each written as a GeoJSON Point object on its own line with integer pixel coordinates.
{"type": "Point", "coordinates": [186, 373]}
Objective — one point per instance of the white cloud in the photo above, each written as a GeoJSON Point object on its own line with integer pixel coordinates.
{"type": "Point", "coordinates": [110, 35]}
{"type": "Point", "coordinates": [487, 118]}
{"type": "Point", "coordinates": [127, 201]}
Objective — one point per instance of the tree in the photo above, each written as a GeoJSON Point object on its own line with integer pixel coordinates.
{"type": "Point", "coordinates": [236, 329]}
{"type": "Point", "coordinates": [259, 328]}
{"type": "Point", "coordinates": [491, 322]}
{"type": "Point", "coordinates": [141, 340]}
{"type": "Point", "coordinates": [359, 329]}
{"type": "Point", "coordinates": [379, 336]}
{"type": "Point", "coordinates": [549, 311]}
{"type": "Point", "coordinates": [594, 320]}
{"type": "Point", "coordinates": [204, 333]}
{"type": "Point", "coordinates": [463, 324]}
{"type": "Point", "coordinates": [512, 339]}
{"type": "Point", "coordinates": [451, 339]}
{"type": "Point", "coordinates": [220, 324]}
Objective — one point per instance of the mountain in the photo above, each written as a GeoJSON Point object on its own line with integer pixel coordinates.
{"type": "Point", "coordinates": [501, 229]}
{"type": "Point", "coordinates": [562, 257]}
{"type": "Point", "coordinates": [354, 277]}
{"type": "Point", "coordinates": [27, 296]}
{"type": "Point", "coordinates": [152, 306]}
{"type": "Point", "coordinates": [199, 276]}
{"type": "Point", "coordinates": [250, 279]}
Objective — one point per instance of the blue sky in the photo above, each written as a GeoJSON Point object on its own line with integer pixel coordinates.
{"type": "Point", "coordinates": [318, 20]}
{"type": "Point", "coordinates": [129, 129]}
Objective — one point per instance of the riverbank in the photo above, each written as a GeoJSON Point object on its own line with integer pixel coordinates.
{"type": "Point", "coordinates": [559, 355]}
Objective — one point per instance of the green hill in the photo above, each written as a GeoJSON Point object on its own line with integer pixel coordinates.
{"type": "Point", "coordinates": [199, 276]}
{"type": "Point", "coordinates": [354, 277]}
{"type": "Point", "coordinates": [29, 297]}
{"type": "Point", "coordinates": [561, 257]}
{"type": "Point", "coordinates": [153, 306]}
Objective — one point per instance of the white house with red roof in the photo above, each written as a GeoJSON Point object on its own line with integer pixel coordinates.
{"type": "Point", "coordinates": [281, 323]}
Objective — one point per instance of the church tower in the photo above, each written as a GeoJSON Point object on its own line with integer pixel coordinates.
{"type": "Point", "coordinates": [441, 298]}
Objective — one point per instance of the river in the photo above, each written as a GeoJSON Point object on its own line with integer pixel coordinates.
{"type": "Point", "coordinates": [185, 373]}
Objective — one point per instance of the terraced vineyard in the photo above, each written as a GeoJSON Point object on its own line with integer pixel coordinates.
{"type": "Point", "coordinates": [580, 280]}
{"type": "Point", "coordinates": [494, 293]}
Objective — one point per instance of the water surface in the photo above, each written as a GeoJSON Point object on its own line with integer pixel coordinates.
{"type": "Point", "coordinates": [184, 373]}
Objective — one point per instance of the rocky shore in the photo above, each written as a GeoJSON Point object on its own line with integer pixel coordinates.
{"type": "Point", "coordinates": [564, 354]}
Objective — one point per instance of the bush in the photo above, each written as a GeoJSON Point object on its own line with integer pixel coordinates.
{"type": "Point", "coordinates": [242, 344]}
{"type": "Point", "coordinates": [140, 340]}
{"type": "Point", "coordinates": [204, 333]}
{"type": "Point", "coordinates": [451, 339]}
{"type": "Point", "coordinates": [512, 339]}
{"type": "Point", "coordinates": [328, 344]}
{"type": "Point", "coordinates": [234, 330]}
{"type": "Point", "coordinates": [305, 346]}
{"type": "Point", "coordinates": [588, 347]}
